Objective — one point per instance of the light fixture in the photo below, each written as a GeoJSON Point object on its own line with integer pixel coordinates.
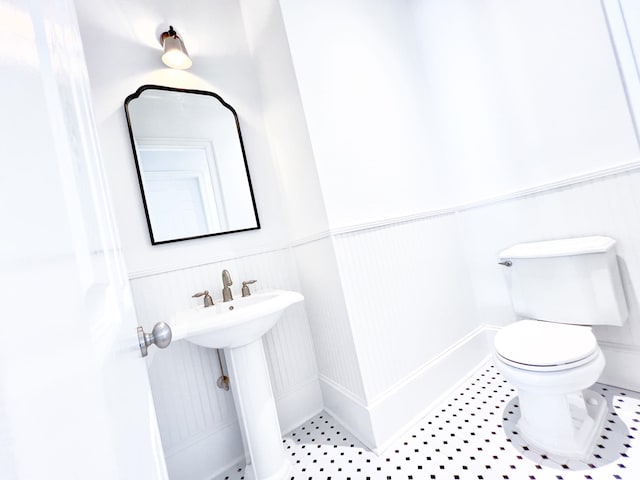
{"type": "Point", "coordinates": [175, 54]}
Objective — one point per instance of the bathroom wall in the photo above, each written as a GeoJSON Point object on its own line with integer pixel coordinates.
{"type": "Point", "coordinates": [423, 116]}
{"type": "Point", "coordinates": [606, 205]}
{"type": "Point", "coordinates": [526, 92]}
{"type": "Point", "coordinates": [200, 434]}
{"type": "Point", "coordinates": [285, 119]}
{"type": "Point", "coordinates": [401, 295]}
{"type": "Point", "coordinates": [124, 53]}
{"type": "Point", "coordinates": [338, 363]}
{"type": "Point", "coordinates": [361, 85]}
{"type": "Point", "coordinates": [398, 146]}
{"type": "Point", "coordinates": [557, 149]}
{"type": "Point", "coordinates": [197, 420]}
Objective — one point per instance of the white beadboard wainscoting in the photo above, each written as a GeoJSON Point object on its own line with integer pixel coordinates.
{"type": "Point", "coordinates": [411, 309]}
{"type": "Point", "coordinates": [328, 316]}
{"type": "Point", "coordinates": [598, 205]}
{"type": "Point", "coordinates": [392, 313]}
{"type": "Point", "coordinates": [411, 323]}
{"type": "Point", "coordinates": [415, 301]}
{"type": "Point", "coordinates": [400, 312]}
{"type": "Point", "coordinates": [198, 423]}
{"type": "Point", "coordinates": [380, 422]}
{"type": "Point", "coordinates": [408, 295]}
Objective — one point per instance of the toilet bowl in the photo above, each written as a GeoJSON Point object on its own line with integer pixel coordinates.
{"type": "Point", "coordinates": [559, 289]}
{"type": "Point", "coordinates": [559, 416]}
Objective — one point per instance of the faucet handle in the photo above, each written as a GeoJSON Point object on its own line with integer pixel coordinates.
{"type": "Point", "coordinates": [208, 301]}
{"type": "Point", "coordinates": [245, 287]}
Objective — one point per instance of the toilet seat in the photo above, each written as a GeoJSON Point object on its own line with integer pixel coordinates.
{"type": "Point", "coordinates": [545, 346]}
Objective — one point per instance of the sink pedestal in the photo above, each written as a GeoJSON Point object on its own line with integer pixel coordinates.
{"type": "Point", "coordinates": [256, 409]}
{"type": "Point", "coordinates": [237, 326]}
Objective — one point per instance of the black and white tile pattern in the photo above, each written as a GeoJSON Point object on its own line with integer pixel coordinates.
{"type": "Point", "coordinates": [470, 437]}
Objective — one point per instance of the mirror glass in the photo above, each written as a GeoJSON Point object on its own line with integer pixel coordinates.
{"type": "Point", "coordinates": [191, 164]}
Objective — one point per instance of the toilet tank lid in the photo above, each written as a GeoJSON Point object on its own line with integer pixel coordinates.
{"type": "Point", "coordinates": [557, 248]}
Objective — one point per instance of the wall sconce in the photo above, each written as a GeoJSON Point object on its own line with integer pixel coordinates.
{"type": "Point", "coordinates": [175, 54]}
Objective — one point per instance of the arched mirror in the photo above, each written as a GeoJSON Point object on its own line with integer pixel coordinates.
{"type": "Point", "coordinates": [191, 164]}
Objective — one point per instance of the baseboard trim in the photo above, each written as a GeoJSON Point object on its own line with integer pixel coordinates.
{"type": "Point", "coordinates": [619, 370]}
{"type": "Point", "coordinates": [432, 405]}
{"type": "Point", "coordinates": [200, 460]}
{"type": "Point", "coordinates": [348, 410]}
{"type": "Point", "coordinates": [379, 423]}
{"type": "Point", "coordinates": [398, 410]}
{"type": "Point", "coordinates": [297, 405]}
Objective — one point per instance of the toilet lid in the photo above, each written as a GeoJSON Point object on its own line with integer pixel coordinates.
{"type": "Point", "coordinates": [538, 343]}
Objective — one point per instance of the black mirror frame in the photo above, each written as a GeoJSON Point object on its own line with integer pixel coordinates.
{"type": "Point", "coordinates": [137, 94]}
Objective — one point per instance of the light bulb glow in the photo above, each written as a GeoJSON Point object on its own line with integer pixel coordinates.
{"type": "Point", "coordinates": [175, 54]}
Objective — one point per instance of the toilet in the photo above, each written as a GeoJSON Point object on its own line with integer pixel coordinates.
{"type": "Point", "coordinates": [559, 289]}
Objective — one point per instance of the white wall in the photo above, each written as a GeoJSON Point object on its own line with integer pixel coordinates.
{"type": "Point", "coordinates": [537, 108]}
{"type": "Point", "coordinates": [361, 86]}
{"type": "Point", "coordinates": [285, 119]}
{"type": "Point", "coordinates": [419, 110]}
{"type": "Point", "coordinates": [408, 115]}
{"type": "Point", "coordinates": [123, 53]}
{"type": "Point", "coordinates": [198, 423]}
{"type": "Point", "coordinates": [304, 201]}
{"type": "Point", "coordinates": [525, 92]}
{"type": "Point", "coordinates": [408, 295]}
{"type": "Point", "coordinates": [413, 317]}
{"type": "Point", "coordinates": [401, 297]}
{"type": "Point", "coordinates": [604, 206]}
{"type": "Point", "coordinates": [200, 434]}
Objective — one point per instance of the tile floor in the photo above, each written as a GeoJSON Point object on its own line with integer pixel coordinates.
{"type": "Point", "coordinates": [471, 436]}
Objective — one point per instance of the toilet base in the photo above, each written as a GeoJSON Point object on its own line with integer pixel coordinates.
{"type": "Point", "coordinates": [571, 431]}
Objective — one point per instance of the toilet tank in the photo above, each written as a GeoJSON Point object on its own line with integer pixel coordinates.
{"type": "Point", "coordinates": [573, 280]}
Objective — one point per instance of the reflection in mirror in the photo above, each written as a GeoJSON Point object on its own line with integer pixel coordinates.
{"type": "Point", "coordinates": [191, 164]}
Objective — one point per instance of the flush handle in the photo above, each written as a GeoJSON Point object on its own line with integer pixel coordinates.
{"type": "Point", "coordinates": [506, 263]}
{"type": "Point", "coordinates": [160, 335]}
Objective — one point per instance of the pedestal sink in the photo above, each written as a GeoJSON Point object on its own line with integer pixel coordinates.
{"type": "Point", "coordinates": [237, 327]}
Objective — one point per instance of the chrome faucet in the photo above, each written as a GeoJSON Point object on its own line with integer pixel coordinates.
{"type": "Point", "coordinates": [227, 296]}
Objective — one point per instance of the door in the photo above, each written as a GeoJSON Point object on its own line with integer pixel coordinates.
{"type": "Point", "coordinates": [75, 401]}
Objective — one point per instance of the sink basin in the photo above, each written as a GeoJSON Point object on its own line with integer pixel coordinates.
{"type": "Point", "coordinates": [237, 327]}
{"type": "Point", "coordinates": [235, 323]}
